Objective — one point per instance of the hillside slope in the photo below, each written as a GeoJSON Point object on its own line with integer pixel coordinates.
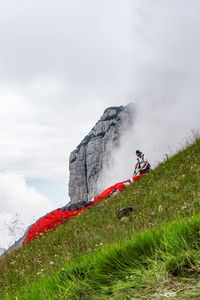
{"type": "Point", "coordinates": [171, 190]}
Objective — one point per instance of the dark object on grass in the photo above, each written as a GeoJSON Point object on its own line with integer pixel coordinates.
{"type": "Point", "coordinates": [125, 211]}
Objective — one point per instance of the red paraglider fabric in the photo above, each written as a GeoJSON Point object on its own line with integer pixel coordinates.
{"type": "Point", "coordinates": [55, 218]}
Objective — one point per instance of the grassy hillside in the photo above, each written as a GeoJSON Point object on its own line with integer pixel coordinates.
{"type": "Point", "coordinates": [96, 256]}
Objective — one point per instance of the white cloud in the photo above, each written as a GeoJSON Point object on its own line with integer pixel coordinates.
{"type": "Point", "coordinates": [39, 129]}
{"type": "Point", "coordinates": [20, 206]}
{"type": "Point", "coordinates": [166, 83]}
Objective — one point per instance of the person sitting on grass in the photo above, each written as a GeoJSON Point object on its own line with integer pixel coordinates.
{"type": "Point", "coordinates": [142, 164]}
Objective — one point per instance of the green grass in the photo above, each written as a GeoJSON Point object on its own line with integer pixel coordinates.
{"type": "Point", "coordinates": [96, 256]}
{"type": "Point", "coordinates": [146, 264]}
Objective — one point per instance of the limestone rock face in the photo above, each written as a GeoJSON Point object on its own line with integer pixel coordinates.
{"type": "Point", "coordinates": [1, 251]}
{"type": "Point", "coordinates": [86, 161]}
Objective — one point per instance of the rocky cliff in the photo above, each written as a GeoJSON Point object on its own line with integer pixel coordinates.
{"type": "Point", "coordinates": [1, 251]}
{"type": "Point", "coordinates": [87, 160]}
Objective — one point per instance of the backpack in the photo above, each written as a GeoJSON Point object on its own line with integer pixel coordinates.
{"type": "Point", "coordinates": [148, 166]}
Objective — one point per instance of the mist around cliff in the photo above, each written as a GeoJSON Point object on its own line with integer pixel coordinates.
{"type": "Point", "coordinates": [160, 128]}
{"type": "Point", "coordinates": [165, 85]}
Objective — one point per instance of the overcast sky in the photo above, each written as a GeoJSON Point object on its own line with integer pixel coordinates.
{"type": "Point", "coordinates": [63, 62]}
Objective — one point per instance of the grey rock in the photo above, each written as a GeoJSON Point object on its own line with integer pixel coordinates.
{"type": "Point", "coordinates": [168, 294]}
{"type": "Point", "coordinates": [2, 251]}
{"type": "Point", "coordinates": [86, 161]}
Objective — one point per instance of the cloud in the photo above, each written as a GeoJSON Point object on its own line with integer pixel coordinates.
{"type": "Point", "coordinates": [20, 206]}
{"type": "Point", "coordinates": [87, 44]}
{"type": "Point", "coordinates": [165, 89]}
{"type": "Point", "coordinates": [37, 132]}
{"type": "Point", "coordinates": [166, 93]}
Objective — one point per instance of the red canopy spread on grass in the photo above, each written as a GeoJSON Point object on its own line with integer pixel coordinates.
{"type": "Point", "coordinates": [60, 215]}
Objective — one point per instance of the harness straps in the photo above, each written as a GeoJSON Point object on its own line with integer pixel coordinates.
{"type": "Point", "coordinates": [139, 163]}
